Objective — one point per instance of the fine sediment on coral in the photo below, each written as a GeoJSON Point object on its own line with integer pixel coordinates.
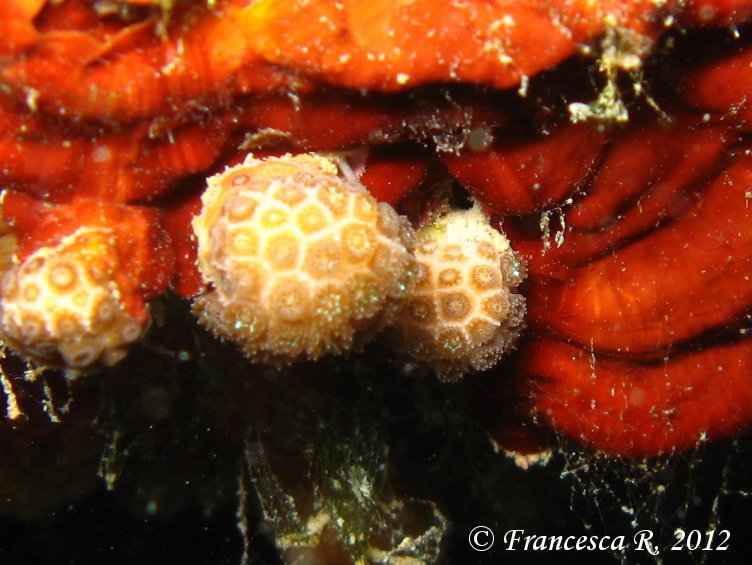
{"type": "Point", "coordinates": [60, 306]}
{"type": "Point", "coordinates": [463, 313]}
{"type": "Point", "coordinates": [301, 262]}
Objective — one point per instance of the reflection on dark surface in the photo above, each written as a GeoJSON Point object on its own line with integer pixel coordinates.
{"type": "Point", "coordinates": [209, 460]}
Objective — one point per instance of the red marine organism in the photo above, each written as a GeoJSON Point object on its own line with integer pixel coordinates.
{"type": "Point", "coordinates": [632, 222]}
{"type": "Point", "coordinates": [637, 311]}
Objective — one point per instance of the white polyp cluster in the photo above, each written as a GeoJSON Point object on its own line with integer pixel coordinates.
{"type": "Point", "coordinates": [61, 307]}
{"type": "Point", "coordinates": [463, 313]}
{"type": "Point", "coordinates": [301, 262]}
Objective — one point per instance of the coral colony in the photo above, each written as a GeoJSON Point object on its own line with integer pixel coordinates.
{"type": "Point", "coordinates": [462, 313]}
{"type": "Point", "coordinates": [298, 263]}
{"type": "Point", "coordinates": [301, 262]}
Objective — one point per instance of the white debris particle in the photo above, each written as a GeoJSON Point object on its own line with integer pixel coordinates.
{"type": "Point", "coordinates": [101, 154]}
{"type": "Point", "coordinates": [12, 410]}
{"type": "Point", "coordinates": [524, 84]}
{"type": "Point", "coordinates": [32, 95]}
{"type": "Point", "coordinates": [403, 78]}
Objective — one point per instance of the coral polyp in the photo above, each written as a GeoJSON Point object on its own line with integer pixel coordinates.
{"type": "Point", "coordinates": [301, 262]}
{"type": "Point", "coordinates": [463, 313]}
{"type": "Point", "coordinates": [61, 306]}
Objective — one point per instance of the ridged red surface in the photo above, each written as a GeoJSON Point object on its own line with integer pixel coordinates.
{"type": "Point", "coordinates": [637, 341]}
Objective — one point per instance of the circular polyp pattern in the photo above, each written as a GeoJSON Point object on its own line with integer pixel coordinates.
{"type": "Point", "coordinates": [462, 313]}
{"type": "Point", "coordinates": [61, 307]}
{"type": "Point", "coordinates": [330, 264]}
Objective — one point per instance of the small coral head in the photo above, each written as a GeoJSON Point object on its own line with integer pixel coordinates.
{"type": "Point", "coordinates": [463, 313]}
{"type": "Point", "coordinates": [75, 291]}
{"type": "Point", "coordinates": [300, 261]}
{"type": "Point", "coordinates": [61, 307]}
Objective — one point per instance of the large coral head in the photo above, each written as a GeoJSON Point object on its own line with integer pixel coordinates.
{"type": "Point", "coordinates": [301, 262]}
